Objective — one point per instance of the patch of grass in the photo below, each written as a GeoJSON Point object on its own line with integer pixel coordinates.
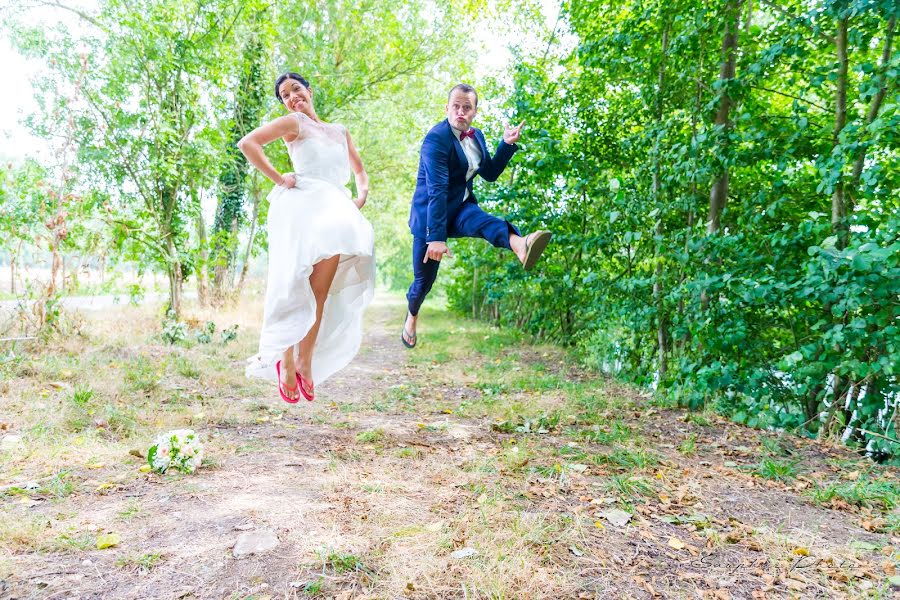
{"type": "Point", "coordinates": [688, 446]}
{"type": "Point", "coordinates": [23, 532]}
{"type": "Point", "coordinates": [82, 395]}
{"type": "Point", "coordinates": [615, 433]}
{"type": "Point", "coordinates": [342, 562]}
{"type": "Point", "coordinates": [120, 420]}
{"type": "Point", "coordinates": [777, 470]}
{"type": "Point", "coordinates": [410, 452]}
{"type": "Point", "coordinates": [491, 389]}
{"type": "Point", "coordinates": [141, 375]}
{"type": "Point", "coordinates": [572, 452]}
{"type": "Point", "coordinates": [698, 418]}
{"type": "Point", "coordinates": [403, 395]}
{"type": "Point", "coordinates": [630, 487]}
{"type": "Point", "coordinates": [515, 457]}
{"type": "Point", "coordinates": [545, 423]}
{"type": "Point", "coordinates": [144, 562]}
{"type": "Point", "coordinates": [865, 493]}
{"type": "Point", "coordinates": [313, 588]}
{"type": "Point", "coordinates": [131, 511]}
{"type": "Point", "coordinates": [627, 459]}
{"type": "Point", "coordinates": [773, 446]}
{"type": "Point", "coordinates": [371, 436]}
{"type": "Point", "coordinates": [892, 524]}
{"type": "Point", "coordinates": [59, 486]}
{"type": "Point", "coordinates": [186, 367]}
{"type": "Point", "coordinates": [73, 539]}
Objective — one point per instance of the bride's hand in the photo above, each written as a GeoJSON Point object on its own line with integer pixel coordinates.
{"type": "Point", "coordinates": [288, 180]}
{"type": "Point", "coordinates": [359, 202]}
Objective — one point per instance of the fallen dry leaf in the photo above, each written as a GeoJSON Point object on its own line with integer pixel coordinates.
{"type": "Point", "coordinates": [675, 543]}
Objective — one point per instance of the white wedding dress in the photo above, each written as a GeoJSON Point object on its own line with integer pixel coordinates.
{"type": "Point", "coordinates": [312, 221]}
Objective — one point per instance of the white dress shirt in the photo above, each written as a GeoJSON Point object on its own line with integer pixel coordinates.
{"type": "Point", "coordinates": [473, 155]}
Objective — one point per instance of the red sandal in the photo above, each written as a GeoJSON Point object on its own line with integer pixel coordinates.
{"type": "Point", "coordinates": [308, 395]}
{"type": "Point", "coordinates": [281, 389]}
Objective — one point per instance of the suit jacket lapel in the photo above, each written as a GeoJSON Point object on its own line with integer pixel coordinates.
{"type": "Point", "coordinates": [483, 145]}
{"type": "Point", "coordinates": [459, 149]}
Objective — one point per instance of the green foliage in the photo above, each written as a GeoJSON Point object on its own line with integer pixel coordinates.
{"type": "Point", "coordinates": [229, 334]}
{"type": "Point", "coordinates": [761, 307]}
{"type": "Point", "coordinates": [173, 330]}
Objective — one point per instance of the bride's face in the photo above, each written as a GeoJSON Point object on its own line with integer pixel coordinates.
{"type": "Point", "coordinates": [296, 96]}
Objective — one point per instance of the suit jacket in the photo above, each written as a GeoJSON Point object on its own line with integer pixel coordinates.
{"type": "Point", "coordinates": [441, 182]}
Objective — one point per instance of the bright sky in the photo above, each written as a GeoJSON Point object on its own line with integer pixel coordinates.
{"type": "Point", "coordinates": [17, 100]}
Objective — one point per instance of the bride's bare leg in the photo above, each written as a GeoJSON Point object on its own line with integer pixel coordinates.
{"type": "Point", "coordinates": [320, 281]}
{"type": "Point", "coordinates": [288, 377]}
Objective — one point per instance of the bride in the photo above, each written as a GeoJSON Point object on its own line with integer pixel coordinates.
{"type": "Point", "coordinates": [321, 249]}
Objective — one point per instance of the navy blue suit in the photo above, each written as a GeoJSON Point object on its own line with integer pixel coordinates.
{"type": "Point", "coordinates": [439, 211]}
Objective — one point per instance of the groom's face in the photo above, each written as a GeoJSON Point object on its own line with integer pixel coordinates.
{"type": "Point", "coordinates": [461, 109]}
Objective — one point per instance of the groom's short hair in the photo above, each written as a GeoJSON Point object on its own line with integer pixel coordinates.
{"type": "Point", "coordinates": [463, 87]}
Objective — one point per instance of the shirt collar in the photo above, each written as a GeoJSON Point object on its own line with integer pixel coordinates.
{"type": "Point", "coordinates": [456, 132]}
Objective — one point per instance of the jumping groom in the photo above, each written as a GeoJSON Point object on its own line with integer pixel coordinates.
{"type": "Point", "coordinates": [444, 205]}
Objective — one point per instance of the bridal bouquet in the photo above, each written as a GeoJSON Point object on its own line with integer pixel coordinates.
{"type": "Point", "coordinates": [180, 450]}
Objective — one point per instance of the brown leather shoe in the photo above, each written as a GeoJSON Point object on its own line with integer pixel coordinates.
{"type": "Point", "coordinates": [535, 243]}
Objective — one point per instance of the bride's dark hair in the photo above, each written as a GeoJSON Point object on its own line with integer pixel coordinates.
{"type": "Point", "coordinates": [285, 76]}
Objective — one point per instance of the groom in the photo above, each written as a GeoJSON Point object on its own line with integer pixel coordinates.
{"type": "Point", "coordinates": [444, 206]}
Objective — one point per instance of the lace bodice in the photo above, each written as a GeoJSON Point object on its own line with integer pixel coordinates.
{"type": "Point", "coordinates": [320, 151]}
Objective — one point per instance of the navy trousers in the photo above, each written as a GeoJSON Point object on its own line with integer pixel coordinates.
{"type": "Point", "coordinates": [470, 221]}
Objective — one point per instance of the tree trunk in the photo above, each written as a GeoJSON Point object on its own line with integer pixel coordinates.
{"type": "Point", "coordinates": [173, 272]}
{"type": "Point", "coordinates": [255, 193]}
{"type": "Point", "coordinates": [202, 268]}
{"type": "Point", "coordinates": [874, 109]}
{"type": "Point", "coordinates": [662, 333]}
{"type": "Point", "coordinates": [719, 192]}
{"type": "Point", "coordinates": [838, 208]}
{"type": "Point", "coordinates": [13, 267]}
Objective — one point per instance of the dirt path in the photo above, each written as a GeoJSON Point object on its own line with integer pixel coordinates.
{"type": "Point", "coordinates": [382, 489]}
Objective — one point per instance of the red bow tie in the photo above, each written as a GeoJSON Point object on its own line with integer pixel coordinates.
{"type": "Point", "coordinates": [470, 133]}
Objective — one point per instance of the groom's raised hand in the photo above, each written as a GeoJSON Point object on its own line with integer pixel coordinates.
{"type": "Point", "coordinates": [512, 134]}
{"type": "Point", "coordinates": [436, 251]}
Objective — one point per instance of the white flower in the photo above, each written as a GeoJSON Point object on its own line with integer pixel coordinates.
{"type": "Point", "coordinates": [614, 185]}
{"type": "Point", "coordinates": [179, 449]}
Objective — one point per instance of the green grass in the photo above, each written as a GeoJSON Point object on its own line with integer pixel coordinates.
{"type": "Point", "coordinates": [615, 433]}
{"type": "Point", "coordinates": [141, 375]}
{"type": "Point", "coordinates": [131, 511]}
{"type": "Point", "coordinates": [82, 395]}
{"type": "Point", "coordinates": [544, 423]}
{"type": "Point", "coordinates": [630, 487]}
{"type": "Point", "coordinates": [59, 486]}
{"type": "Point", "coordinates": [186, 367]}
{"type": "Point", "coordinates": [776, 470]}
{"type": "Point", "coordinates": [688, 446]}
{"type": "Point", "coordinates": [371, 436]}
{"type": "Point", "coordinates": [698, 418]}
{"type": "Point", "coordinates": [410, 452]}
{"type": "Point", "coordinates": [881, 494]}
{"type": "Point", "coordinates": [626, 459]}
{"type": "Point", "coordinates": [773, 446]}
{"type": "Point", "coordinates": [342, 562]}
{"type": "Point", "coordinates": [144, 562]}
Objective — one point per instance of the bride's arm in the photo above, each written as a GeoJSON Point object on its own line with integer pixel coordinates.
{"type": "Point", "coordinates": [252, 147]}
{"type": "Point", "coordinates": [362, 178]}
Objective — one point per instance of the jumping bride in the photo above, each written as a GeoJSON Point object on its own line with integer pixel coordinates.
{"type": "Point", "coordinates": [321, 249]}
